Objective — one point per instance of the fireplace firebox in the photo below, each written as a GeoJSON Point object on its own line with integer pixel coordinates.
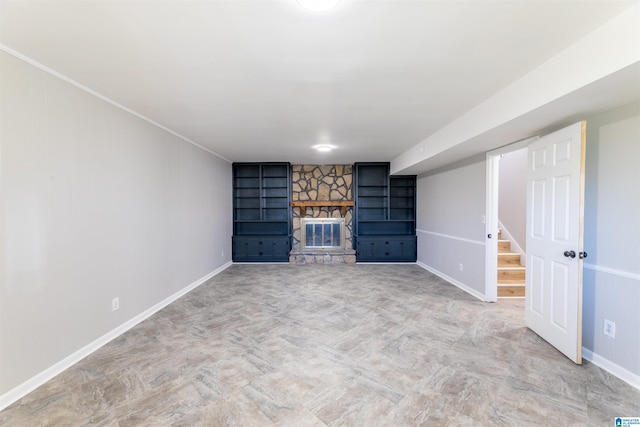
{"type": "Point", "coordinates": [322, 233]}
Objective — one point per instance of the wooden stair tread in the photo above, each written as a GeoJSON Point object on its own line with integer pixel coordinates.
{"type": "Point", "coordinates": [518, 275]}
{"type": "Point", "coordinates": [511, 291]}
{"type": "Point", "coordinates": [504, 246]}
{"type": "Point", "coordinates": [509, 260]}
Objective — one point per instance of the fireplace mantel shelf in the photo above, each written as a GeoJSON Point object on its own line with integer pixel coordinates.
{"type": "Point", "coordinates": [303, 204]}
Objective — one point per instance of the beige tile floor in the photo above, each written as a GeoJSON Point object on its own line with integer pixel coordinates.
{"type": "Point", "coordinates": [328, 345]}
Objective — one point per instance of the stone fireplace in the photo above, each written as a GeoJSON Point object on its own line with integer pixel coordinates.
{"type": "Point", "coordinates": [322, 197]}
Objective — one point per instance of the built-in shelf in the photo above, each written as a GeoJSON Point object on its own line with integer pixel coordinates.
{"type": "Point", "coordinates": [384, 217]}
{"type": "Point", "coordinates": [261, 212]}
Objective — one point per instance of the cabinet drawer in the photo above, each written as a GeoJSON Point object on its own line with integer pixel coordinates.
{"type": "Point", "coordinates": [386, 248]}
{"type": "Point", "coordinates": [261, 248]}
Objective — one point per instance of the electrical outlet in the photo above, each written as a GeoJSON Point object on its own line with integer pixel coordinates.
{"type": "Point", "coordinates": [609, 328]}
{"type": "Point", "coordinates": [461, 267]}
{"type": "Point", "coordinates": [115, 304]}
{"type": "Point", "coordinates": [483, 219]}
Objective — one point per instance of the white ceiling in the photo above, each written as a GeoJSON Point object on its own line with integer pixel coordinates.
{"type": "Point", "coordinates": [265, 80]}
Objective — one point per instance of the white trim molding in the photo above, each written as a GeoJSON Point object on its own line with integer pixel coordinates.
{"type": "Point", "coordinates": [614, 271]}
{"type": "Point", "coordinates": [448, 236]}
{"type": "Point", "coordinates": [614, 369]}
{"type": "Point", "coordinates": [31, 384]}
{"type": "Point", "coordinates": [453, 281]}
{"type": "Point", "coordinates": [104, 98]}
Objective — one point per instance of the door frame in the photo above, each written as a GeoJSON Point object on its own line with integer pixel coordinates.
{"type": "Point", "coordinates": [491, 215]}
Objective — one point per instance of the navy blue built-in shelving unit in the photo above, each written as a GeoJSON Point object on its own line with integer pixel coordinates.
{"type": "Point", "coordinates": [385, 214]}
{"type": "Point", "coordinates": [261, 212]}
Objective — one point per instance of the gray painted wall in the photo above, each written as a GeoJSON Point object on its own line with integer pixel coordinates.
{"type": "Point", "coordinates": [612, 236]}
{"type": "Point", "coordinates": [512, 199]}
{"type": "Point", "coordinates": [451, 203]}
{"type": "Point", "coordinates": [451, 200]}
{"type": "Point", "coordinates": [96, 204]}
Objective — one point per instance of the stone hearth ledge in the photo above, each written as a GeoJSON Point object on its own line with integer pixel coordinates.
{"type": "Point", "coordinates": [322, 256]}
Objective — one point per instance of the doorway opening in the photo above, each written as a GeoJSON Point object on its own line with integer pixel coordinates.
{"type": "Point", "coordinates": [506, 221]}
{"type": "Point", "coordinates": [512, 223]}
{"type": "Point", "coordinates": [554, 230]}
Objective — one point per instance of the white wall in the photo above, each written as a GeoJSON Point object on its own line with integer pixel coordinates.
{"type": "Point", "coordinates": [512, 198]}
{"type": "Point", "coordinates": [96, 204]}
{"type": "Point", "coordinates": [612, 237]}
{"type": "Point", "coordinates": [585, 76]}
{"type": "Point", "coordinates": [451, 202]}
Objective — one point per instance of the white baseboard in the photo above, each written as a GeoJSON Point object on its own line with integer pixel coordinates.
{"type": "Point", "coordinates": [609, 366]}
{"type": "Point", "coordinates": [453, 281]}
{"type": "Point", "coordinates": [385, 263]}
{"type": "Point", "coordinates": [614, 369]}
{"type": "Point", "coordinates": [31, 384]}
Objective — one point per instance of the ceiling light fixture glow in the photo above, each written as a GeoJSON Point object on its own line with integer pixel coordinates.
{"type": "Point", "coordinates": [323, 147]}
{"type": "Point", "coordinates": [318, 5]}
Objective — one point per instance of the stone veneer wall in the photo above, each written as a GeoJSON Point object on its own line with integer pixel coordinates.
{"type": "Point", "coordinates": [326, 182]}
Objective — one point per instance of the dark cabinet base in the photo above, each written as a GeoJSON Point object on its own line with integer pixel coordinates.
{"type": "Point", "coordinates": [260, 248]}
{"type": "Point", "coordinates": [386, 248]}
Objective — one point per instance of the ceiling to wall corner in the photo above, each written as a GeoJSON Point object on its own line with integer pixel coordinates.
{"type": "Point", "coordinates": [267, 80]}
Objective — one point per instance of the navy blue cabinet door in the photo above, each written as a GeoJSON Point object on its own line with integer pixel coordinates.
{"type": "Point", "coordinates": [246, 248]}
{"type": "Point", "coordinates": [262, 248]}
{"type": "Point", "coordinates": [402, 248]}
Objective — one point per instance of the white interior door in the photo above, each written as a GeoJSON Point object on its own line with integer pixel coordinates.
{"type": "Point", "coordinates": [555, 194]}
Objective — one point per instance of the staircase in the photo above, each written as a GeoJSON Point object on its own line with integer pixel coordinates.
{"type": "Point", "coordinates": [511, 274]}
